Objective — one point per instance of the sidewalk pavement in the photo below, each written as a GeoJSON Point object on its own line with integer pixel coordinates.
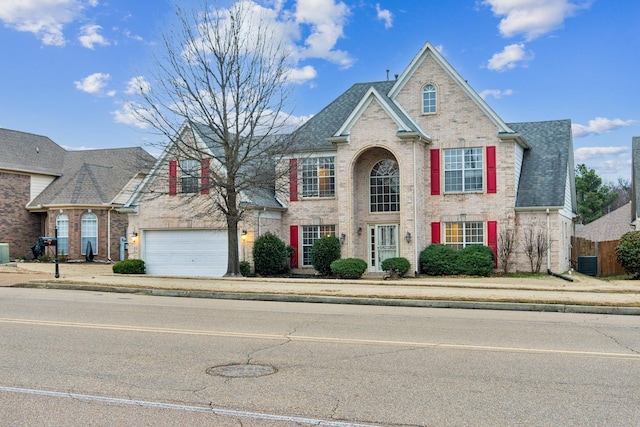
{"type": "Point", "coordinates": [585, 294]}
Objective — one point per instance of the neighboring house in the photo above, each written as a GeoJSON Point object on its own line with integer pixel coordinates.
{"type": "Point", "coordinates": [635, 182]}
{"type": "Point", "coordinates": [45, 186]}
{"type": "Point", "coordinates": [389, 168]}
{"type": "Point", "coordinates": [608, 227]}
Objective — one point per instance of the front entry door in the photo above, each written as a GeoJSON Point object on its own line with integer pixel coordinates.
{"type": "Point", "coordinates": [383, 244]}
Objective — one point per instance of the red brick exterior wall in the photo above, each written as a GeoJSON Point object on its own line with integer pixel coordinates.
{"type": "Point", "coordinates": [18, 227]}
{"type": "Point", "coordinates": [118, 228]}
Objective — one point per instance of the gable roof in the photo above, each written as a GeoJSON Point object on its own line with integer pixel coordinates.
{"type": "Point", "coordinates": [545, 166]}
{"type": "Point", "coordinates": [94, 177]}
{"type": "Point", "coordinates": [258, 197]}
{"type": "Point", "coordinates": [29, 153]}
{"type": "Point", "coordinates": [608, 227]}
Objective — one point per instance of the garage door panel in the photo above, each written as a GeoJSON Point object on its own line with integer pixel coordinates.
{"type": "Point", "coordinates": [185, 252]}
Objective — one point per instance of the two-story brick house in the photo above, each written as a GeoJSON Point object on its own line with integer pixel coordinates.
{"type": "Point", "coordinates": [391, 167]}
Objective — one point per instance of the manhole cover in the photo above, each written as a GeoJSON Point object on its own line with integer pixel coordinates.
{"type": "Point", "coordinates": [242, 370]}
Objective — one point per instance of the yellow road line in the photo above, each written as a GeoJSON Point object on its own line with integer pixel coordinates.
{"type": "Point", "coordinates": [334, 340]}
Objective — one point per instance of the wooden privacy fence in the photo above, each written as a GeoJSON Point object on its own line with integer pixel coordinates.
{"type": "Point", "coordinates": [604, 251]}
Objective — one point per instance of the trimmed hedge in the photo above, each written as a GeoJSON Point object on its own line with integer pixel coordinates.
{"type": "Point", "coordinates": [628, 252]}
{"type": "Point", "coordinates": [348, 268]}
{"type": "Point", "coordinates": [324, 251]}
{"type": "Point", "coordinates": [442, 260]}
{"type": "Point", "coordinates": [271, 255]}
{"type": "Point", "coordinates": [129, 266]}
{"type": "Point", "coordinates": [245, 268]}
{"type": "Point", "coordinates": [399, 264]}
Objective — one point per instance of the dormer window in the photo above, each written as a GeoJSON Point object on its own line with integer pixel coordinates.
{"type": "Point", "coordinates": [429, 98]}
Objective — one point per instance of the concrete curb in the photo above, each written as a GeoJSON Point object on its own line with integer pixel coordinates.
{"type": "Point", "coordinates": [362, 300]}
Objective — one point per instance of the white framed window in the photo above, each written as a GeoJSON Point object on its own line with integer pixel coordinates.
{"type": "Point", "coordinates": [62, 224]}
{"type": "Point", "coordinates": [189, 175]}
{"type": "Point", "coordinates": [463, 170]}
{"type": "Point", "coordinates": [384, 187]}
{"type": "Point", "coordinates": [311, 233]}
{"type": "Point", "coordinates": [318, 177]}
{"type": "Point", "coordinates": [89, 233]}
{"type": "Point", "coordinates": [459, 235]}
{"type": "Point", "coordinates": [429, 99]}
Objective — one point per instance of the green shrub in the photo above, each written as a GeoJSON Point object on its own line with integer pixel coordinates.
{"type": "Point", "coordinates": [129, 266]}
{"type": "Point", "coordinates": [348, 268]}
{"type": "Point", "coordinates": [399, 264]}
{"type": "Point", "coordinates": [271, 255]}
{"type": "Point", "coordinates": [323, 252]}
{"type": "Point", "coordinates": [245, 268]}
{"type": "Point", "coordinates": [628, 253]}
{"type": "Point", "coordinates": [476, 260]}
{"type": "Point", "coordinates": [439, 260]}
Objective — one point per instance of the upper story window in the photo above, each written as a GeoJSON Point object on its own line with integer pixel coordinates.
{"type": "Point", "coordinates": [62, 224]}
{"type": "Point", "coordinates": [384, 187]}
{"type": "Point", "coordinates": [189, 175]}
{"type": "Point", "coordinates": [459, 235]}
{"type": "Point", "coordinates": [463, 170]}
{"type": "Point", "coordinates": [318, 177]}
{"type": "Point", "coordinates": [429, 98]}
{"type": "Point", "coordinates": [89, 233]}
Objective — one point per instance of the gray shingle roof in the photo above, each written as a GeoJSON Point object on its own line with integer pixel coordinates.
{"type": "Point", "coordinates": [94, 177]}
{"type": "Point", "coordinates": [545, 165]}
{"type": "Point", "coordinates": [608, 227]}
{"type": "Point", "coordinates": [314, 133]}
{"type": "Point", "coordinates": [26, 152]}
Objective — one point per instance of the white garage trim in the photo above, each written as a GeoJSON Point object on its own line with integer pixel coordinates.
{"type": "Point", "coordinates": [201, 253]}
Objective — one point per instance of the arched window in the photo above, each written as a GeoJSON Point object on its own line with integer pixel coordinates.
{"type": "Point", "coordinates": [429, 98]}
{"type": "Point", "coordinates": [62, 224]}
{"type": "Point", "coordinates": [384, 187]}
{"type": "Point", "coordinates": [89, 233]}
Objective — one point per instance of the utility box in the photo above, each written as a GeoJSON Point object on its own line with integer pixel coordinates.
{"type": "Point", "coordinates": [4, 253]}
{"type": "Point", "coordinates": [588, 265]}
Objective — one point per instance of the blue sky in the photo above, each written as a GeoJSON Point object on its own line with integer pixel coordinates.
{"type": "Point", "coordinates": [67, 64]}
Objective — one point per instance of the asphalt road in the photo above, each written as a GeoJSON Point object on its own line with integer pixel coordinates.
{"type": "Point", "coordinates": [85, 358]}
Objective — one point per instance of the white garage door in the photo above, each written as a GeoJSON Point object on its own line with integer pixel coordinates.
{"type": "Point", "coordinates": [185, 252]}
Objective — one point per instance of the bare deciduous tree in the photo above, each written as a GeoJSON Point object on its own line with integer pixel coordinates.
{"type": "Point", "coordinates": [507, 244]}
{"type": "Point", "coordinates": [222, 72]}
{"type": "Point", "coordinates": [535, 246]}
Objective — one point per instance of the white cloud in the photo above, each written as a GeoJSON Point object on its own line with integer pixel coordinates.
{"type": "Point", "coordinates": [495, 93]}
{"type": "Point", "coordinates": [599, 125]}
{"type": "Point", "coordinates": [584, 153]}
{"type": "Point", "coordinates": [509, 57]}
{"type": "Point", "coordinates": [44, 18]}
{"type": "Point", "coordinates": [301, 75]}
{"type": "Point", "coordinates": [533, 18]}
{"type": "Point", "coordinates": [130, 114]}
{"type": "Point", "coordinates": [137, 85]}
{"type": "Point", "coordinates": [326, 20]}
{"type": "Point", "coordinates": [89, 36]}
{"type": "Point", "coordinates": [385, 15]}
{"type": "Point", "coordinates": [95, 84]}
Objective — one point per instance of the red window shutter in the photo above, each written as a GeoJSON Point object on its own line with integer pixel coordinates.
{"type": "Point", "coordinates": [204, 176]}
{"type": "Point", "coordinates": [435, 233]}
{"type": "Point", "coordinates": [491, 169]}
{"type": "Point", "coordinates": [293, 241]}
{"type": "Point", "coordinates": [173, 177]}
{"type": "Point", "coordinates": [435, 172]}
{"type": "Point", "coordinates": [293, 180]}
{"type": "Point", "coordinates": [492, 239]}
